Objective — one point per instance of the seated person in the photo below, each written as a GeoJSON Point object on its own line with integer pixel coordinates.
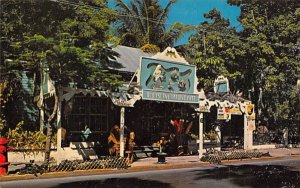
{"type": "Point", "coordinates": [86, 133]}
{"type": "Point", "coordinates": [131, 143]}
{"type": "Point", "coordinates": [63, 137]}
{"type": "Point", "coordinates": [171, 145]}
{"type": "Point", "coordinates": [114, 140]}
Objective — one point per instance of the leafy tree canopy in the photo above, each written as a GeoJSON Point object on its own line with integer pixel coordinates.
{"type": "Point", "coordinates": [262, 59]}
{"type": "Point", "coordinates": [211, 52]}
{"type": "Point", "coordinates": [69, 39]}
{"type": "Point", "coordinates": [143, 22]}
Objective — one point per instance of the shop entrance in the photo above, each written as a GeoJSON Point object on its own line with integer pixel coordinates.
{"type": "Point", "coordinates": [151, 122]}
{"type": "Point", "coordinates": [223, 134]}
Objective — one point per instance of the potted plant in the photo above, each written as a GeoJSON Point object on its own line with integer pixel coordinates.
{"type": "Point", "coordinates": [161, 156]}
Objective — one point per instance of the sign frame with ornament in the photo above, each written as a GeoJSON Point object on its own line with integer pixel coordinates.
{"type": "Point", "coordinates": [249, 111]}
{"type": "Point", "coordinates": [223, 114]}
{"type": "Point", "coordinates": [204, 109]}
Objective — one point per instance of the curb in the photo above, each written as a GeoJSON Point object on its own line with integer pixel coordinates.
{"type": "Point", "coordinates": [165, 166]}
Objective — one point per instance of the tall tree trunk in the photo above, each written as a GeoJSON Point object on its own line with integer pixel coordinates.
{"type": "Point", "coordinates": [49, 130]}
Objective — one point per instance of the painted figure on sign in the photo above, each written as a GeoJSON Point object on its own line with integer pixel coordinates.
{"type": "Point", "coordinates": [157, 75]}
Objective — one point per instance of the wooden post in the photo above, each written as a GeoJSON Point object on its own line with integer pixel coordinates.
{"type": "Point", "coordinates": [58, 121]}
{"type": "Point", "coordinates": [218, 130]}
{"type": "Point", "coordinates": [42, 118]}
{"type": "Point", "coordinates": [200, 141]}
{"type": "Point", "coordinates": [122, 114]}
{"type": "Point", "coordinates": [245, 132]}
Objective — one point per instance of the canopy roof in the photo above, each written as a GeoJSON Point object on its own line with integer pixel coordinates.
{"type": "Point", "coordinates": [129, 59]}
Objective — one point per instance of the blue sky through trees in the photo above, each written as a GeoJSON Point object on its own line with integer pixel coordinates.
{"type": "Point", "coordinates": [191, 12]}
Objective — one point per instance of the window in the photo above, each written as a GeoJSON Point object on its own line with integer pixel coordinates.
{"type": "Point", "coordinates": [87, 111]}
{"type": "Point", "coordinates": [221, 87]}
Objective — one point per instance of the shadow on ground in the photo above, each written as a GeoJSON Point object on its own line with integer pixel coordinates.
{"type": "Point", "coordinates": [115, 183]}
{"type": "Point", "coordinates": [254, 175]}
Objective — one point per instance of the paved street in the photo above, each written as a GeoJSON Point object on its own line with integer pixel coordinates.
{"type": "Point", "coordinates": [267, 173]}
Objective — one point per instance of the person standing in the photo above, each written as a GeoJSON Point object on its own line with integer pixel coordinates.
{"type": "Point", "coordinates": [286, 137]}
{"type": "Point", "coordinates": [178, 123]}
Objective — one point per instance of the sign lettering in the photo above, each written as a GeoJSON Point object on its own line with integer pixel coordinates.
{"type": "Point", "coordinates": [173, 97]}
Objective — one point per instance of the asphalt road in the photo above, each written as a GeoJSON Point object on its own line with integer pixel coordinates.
{"type": "Point", "coordinates": [279, 173]}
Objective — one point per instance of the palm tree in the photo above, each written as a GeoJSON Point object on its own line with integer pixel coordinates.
{"type": "Point", "coordinates": [143, 22]}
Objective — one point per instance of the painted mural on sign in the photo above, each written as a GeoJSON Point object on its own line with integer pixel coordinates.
{"type": "Point", "coordinates": [162, 78]}
{"type": "Point", "coordinates": [168, 78]}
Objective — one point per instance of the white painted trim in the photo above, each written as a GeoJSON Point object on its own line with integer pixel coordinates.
{"type": "Point", "coordinates": [122, 144]}
{"type": "Point", "coordinates": [170, 54]}
{"type": "Point", "coordinates": [200, 141]}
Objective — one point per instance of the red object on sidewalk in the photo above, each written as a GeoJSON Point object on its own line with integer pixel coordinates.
{"type": "Point", "coordinates": [3, 156]}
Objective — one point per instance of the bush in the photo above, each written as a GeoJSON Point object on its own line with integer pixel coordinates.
{"type": "Point", "coordinates": [150, 48]}
{"type": "Point", "coordinates": [20, 139]}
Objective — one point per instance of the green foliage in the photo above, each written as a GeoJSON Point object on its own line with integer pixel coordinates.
{"type": "Point", "coordinates": [211, 135]}
{"type": "Point", "coordinates": [262, 58]}
{"type": "Point", "coordinates": [5, 94]}
{"type": "Point", "coordinates": [2, 127]}
{"type": "Point", "coordinates": [71, 42]}
{"type": "Point", "coordinates": [212, 54]}
{"type": "Point", "coordinates": [272, 31]}
{"type": "Point", "coordinates": [29, 141]}
{"type": "Point", "coordinates": [52, 32]}
{"type": "Point", "coordinates": [150, 48]}
{"type": "Point", "coordinates": [144, 22]}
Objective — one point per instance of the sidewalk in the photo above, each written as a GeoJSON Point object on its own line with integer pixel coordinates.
{"type": "Point", "coordinates": [151, 163]}
{"type": "Point", "coordinates": [194, 159]}
{"type": "Point", "coordinates": [282, 152]}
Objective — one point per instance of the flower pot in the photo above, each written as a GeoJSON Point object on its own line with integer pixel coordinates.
{"type": "Point", "coordinates": [3, 157]}
{"type": "Point", "coordinates": [161, 157]}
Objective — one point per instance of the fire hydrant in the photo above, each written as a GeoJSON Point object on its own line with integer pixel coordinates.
{"type": "Point", "coordinates": [3, 157]}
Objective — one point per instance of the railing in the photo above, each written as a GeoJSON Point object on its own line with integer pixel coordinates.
{"type": "Point", "coordinates": [214, 156]}
{"type": "Point", "coordinates": [107, 162]}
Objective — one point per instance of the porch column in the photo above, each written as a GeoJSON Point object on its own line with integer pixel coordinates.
{"type": "Point", "coordinates": [58, 125]}
{"type": "Point", "coordinates": [122, 114]}
{"type": "Point", "coordinates": [58, 121]}
{"type": "Point", "coordinates": [41, 99]}
{"type": "Point", "coordinates": [218, 130]}
{"type": "Point", "coordinates": [200, 141]}
{"type": "Point", "coordinates": [250, 128]}
{"type": "Point", "coordinates": [245, 131]}
{"type": "Point", "coordinates": [42, 117]}
{"type": "Point", "coordinates": [247, 134]}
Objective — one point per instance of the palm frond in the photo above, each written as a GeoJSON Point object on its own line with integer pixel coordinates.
{"type": "Point", "coordinates": [165, 12]}
{"type": "Point", "coordinates": [130, 15]}
{"type": "Point", "coordinates": [175, 32]}
{"type": "Point", "coordinates": [139, 15]}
